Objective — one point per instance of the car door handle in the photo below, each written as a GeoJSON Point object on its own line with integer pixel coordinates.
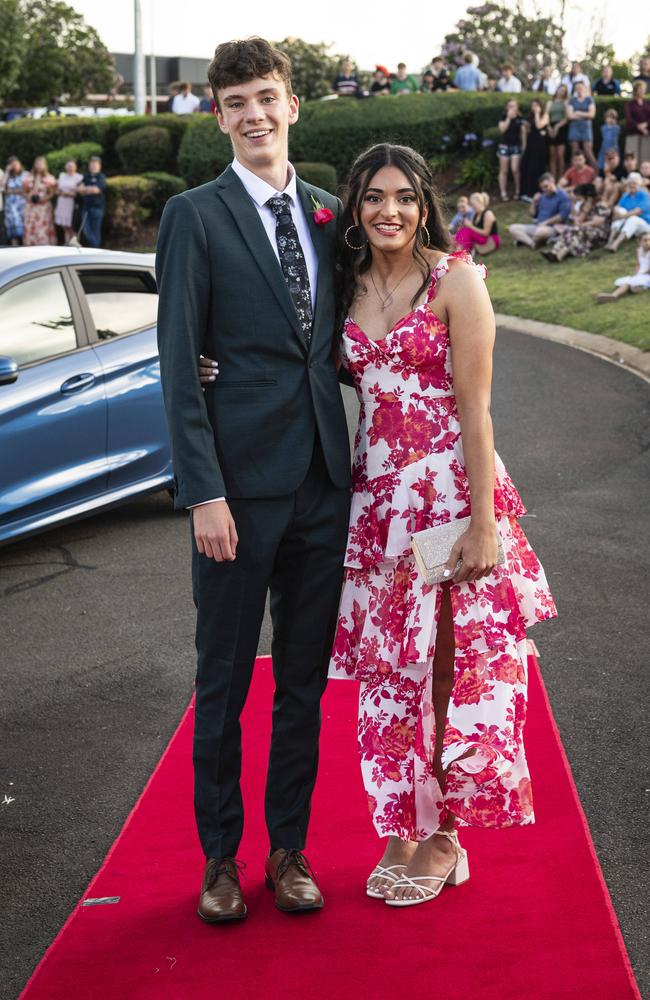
{"type": "Point", "coordinates": [78, 382]}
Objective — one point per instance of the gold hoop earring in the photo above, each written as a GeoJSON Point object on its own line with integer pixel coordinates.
{"type": "Point", "coordinates": [426, 232]}
{"type": "Point", "coordinates": [351, 245]}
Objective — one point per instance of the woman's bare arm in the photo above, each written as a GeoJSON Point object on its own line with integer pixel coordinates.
{"type": "Point", "coordinates": [472, 334]}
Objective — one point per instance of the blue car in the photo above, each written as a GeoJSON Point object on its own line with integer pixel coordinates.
{"type": "Point", "coordinates": [82, 424]}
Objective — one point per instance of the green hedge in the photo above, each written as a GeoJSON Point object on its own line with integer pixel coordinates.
{"type": "Point", "coordinates": [146, 148]}
{"type": "Point", "coordinates": [321, 175]}
{"type": "Point", "coordinates": [134, 199]}
{"type": "Point", "coordinates": [204, 152]}
{"type": "Point", "coordinates": [29, 138]}
{"type": "Point", "coordinates": [80, 152]}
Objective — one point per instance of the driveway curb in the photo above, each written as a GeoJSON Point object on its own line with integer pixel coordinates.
{"type": "Point", "coordinates": [618, 353]}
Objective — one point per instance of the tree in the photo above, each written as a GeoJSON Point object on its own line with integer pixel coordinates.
{"type": "Point", "coordinates": [58, 53]}
{"type": "Point", "coordinates": [11, 44]}
{"type": "Point", "coordinates": [497, 33]}
{"type": "Point", "coordinates": [314, 68]}
{"type": "Point", "coordinates": [597, 55]}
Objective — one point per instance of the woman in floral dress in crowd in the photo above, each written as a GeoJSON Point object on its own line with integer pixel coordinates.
{"type": "Point", "coordinates": [39, 189]}
{"type": "Point", "coordinates": [443, 668]}
{"type": "Point", "coordinates": [14, 201]}
{"type": "Point", "coordinates": [589, 228]}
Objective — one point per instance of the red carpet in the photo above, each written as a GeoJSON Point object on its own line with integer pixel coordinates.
{"type": "Point", "coordinates": [533, 923]}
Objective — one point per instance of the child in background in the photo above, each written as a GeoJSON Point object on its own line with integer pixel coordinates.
{"type": "Point", "coordinates": [638, 282]}
{"type": "Point", "coordinates": [610, 131]}
{"type": "Point", "coordinates": [464, 213]}
{"type": "Point", "coordinates": [644, 170]}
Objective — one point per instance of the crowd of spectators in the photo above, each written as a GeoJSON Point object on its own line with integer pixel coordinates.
{"type": "Point", "coordinates": [41, 210]}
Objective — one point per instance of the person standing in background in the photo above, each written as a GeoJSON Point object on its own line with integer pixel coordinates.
{"type": "Point", "coordinates": [380, 85]}
{"type": "Point", "coordinates": [508, 83]}
{"type": "Point", "coordinates": [637, 123]}
{"type": "Point", "coordinates": [610, 132]}
{"type": "Point", "coordinates": [403, 83]}
{"type": "Point", "coordinates": [14, 199]}
{"type": "Point", "coordinates": [92, 202]}
{"type": "Point", "coordinates": [581, 111]}
{"type": "Point", "coordinates": [644, 72]}
{"type": "Point", "coordinates": [575, 76]}
{"type": "Point", "coordinates": [546, 83]}
{"type": "Point", "coordinates": [185, 102]}
{"type": "Point", "coordinates": [606, 85]}
{"type": "Point", "coordinates": [39, 187]}
{"type": "Point", "coordinates": [558, 130]}
{"type": "Point", "coordinates": [534, 162]}
{"type": "Point", "coordinates": [346, 83]}
{"type": "Point", "coordinates": [468, 76]}
{"type": "Point", "coordinates": [67, 186]}
{"type": "Point", "coordinates": [207, 104]}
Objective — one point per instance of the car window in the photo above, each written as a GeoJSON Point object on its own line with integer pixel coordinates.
{"type": "Point", "coordinates": [119, 301]}
{"type": "Point", "coordinates": [35, 320]}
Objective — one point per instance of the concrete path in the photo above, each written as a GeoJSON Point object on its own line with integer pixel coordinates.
{"type": "Point", "coordinates": [97, 646]}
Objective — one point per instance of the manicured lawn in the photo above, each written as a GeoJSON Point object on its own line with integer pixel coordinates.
{"type": "Point", "coordinates": [523, 283]}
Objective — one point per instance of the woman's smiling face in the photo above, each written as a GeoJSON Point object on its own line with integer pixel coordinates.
{"type": "Point", "coordinates": [390, 214]}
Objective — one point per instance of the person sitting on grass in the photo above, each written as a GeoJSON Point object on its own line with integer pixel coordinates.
{"type": "Point", "coordinates": [609, 183]}
{"type": "Point", "coordinates": [578, 173]}
{"type": "Point", "coordinates": [550, 208]}
{"type": "Point", "coordinates": [632, 214]}
{"type": "Point", "coordinates": [630, 163]}
{"type": "Point", "coordinates": [589, 229]}
{"type": "Point", "coordinates": [464, 213]}
{"type": "Point", "coordinates": [481, 235]}
{"type": "Point", "coordinates": [644, 170]}
{"type": "Point", "coordinates": [637, 282]}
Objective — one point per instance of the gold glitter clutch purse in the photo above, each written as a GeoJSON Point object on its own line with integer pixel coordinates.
{"type": "Point", "coordinates": [432, 546]}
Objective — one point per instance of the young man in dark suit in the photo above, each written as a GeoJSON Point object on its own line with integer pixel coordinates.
{"type": "Point", "coordinates": [246, 275]}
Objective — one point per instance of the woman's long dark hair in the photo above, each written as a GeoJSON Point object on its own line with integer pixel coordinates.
{"type": "Point", "coordinates": [353, 263]}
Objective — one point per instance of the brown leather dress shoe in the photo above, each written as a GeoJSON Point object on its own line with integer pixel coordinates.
{"type": "Point", "coordinates": [291, 876]}
{"type": "Point", "coordinates": [221, 896]}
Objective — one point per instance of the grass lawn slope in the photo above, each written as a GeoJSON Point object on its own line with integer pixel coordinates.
{"type": "Point", "coordinates": [523, 283]}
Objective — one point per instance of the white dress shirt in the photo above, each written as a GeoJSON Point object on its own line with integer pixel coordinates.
{"type": "Point", "coordinates": [509, 85]}
{"type": "Point", "coordinates": [185, 104]}
{"type": "Point", "coordinates": [259, 192]}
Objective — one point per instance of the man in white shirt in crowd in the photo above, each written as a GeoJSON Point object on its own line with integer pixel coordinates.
{"type": "Point", "coordinates": [508, 83]}
{"type": "Point", "coordinates": [185, 103]}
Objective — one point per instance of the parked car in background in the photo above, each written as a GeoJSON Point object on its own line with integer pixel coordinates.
{"type": "Point", "coordinates": [82, 424]}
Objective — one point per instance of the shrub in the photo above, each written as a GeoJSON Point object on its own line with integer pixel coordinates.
{"type": "Point", "coordinates": [321, 175]}
{"type": "Point", "coordinates": [79, 151]}
{"type": "Point", "coordinates": [127, 205]}
{"type": "Point", "coordinates": [479, 171]}
{"type": "Point", "coordinates": [204, 152]}
{"type": "Point", "coordinates": [148, 148]}
{"type": "Point", "coordinates": [28, 139]}
{"type": "Point", "coordinates": [161, 187]}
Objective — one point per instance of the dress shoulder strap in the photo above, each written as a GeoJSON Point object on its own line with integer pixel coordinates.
{"type": "Point", "coordinates": [442, 267]}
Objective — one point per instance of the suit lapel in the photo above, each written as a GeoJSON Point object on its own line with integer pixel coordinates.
{"type": "Point", "coordinates": [245, 214]}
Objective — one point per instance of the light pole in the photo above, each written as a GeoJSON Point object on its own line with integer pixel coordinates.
{"type": "Point", "coordinates": [138, 61]}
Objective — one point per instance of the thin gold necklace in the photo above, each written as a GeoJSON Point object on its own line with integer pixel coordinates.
{"type": "Point", "coordinates": [386, 302]}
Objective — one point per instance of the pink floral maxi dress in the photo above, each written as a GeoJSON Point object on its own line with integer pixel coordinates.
{"type": "Point", "coordinates": [409, 474]}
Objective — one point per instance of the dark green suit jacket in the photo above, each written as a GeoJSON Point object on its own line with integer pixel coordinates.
{"type": "Point", "coordinates": [222, 293]}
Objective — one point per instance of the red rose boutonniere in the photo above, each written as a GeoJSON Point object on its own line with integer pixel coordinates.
{"type": "Point", "coordinates": [322, 215]}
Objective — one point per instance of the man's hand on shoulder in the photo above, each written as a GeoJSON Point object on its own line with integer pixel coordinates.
{"type": "Point", "coordinates": [214, 531]}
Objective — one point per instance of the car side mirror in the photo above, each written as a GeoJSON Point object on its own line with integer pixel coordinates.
{"type": "Point", "coordinates": [8, 371]}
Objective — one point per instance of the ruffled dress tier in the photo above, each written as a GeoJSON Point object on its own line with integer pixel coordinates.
{"type": "Point", "coordinates": [409, 474]}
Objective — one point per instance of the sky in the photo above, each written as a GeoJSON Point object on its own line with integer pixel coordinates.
{"type": "Point", "coordinates": [375, 31]}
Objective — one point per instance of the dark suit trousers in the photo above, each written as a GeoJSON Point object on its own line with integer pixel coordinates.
{"type": "Point", "coordinates": [292, 547]}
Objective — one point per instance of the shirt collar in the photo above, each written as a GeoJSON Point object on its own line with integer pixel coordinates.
{"type": "Point", "coordinates": [258, 189]}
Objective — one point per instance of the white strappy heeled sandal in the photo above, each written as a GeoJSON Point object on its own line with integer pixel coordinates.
{"type": "Point", "coordinates": [457, 874]}
{"type": "Point", "coordinates": [386, 873]}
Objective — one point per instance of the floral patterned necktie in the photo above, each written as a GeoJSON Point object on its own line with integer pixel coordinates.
{"type": "Point", "coordinates": [292, 261]}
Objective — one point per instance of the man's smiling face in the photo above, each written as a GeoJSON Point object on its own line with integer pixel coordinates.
{"type": "Point", "coordinates": [257, 115]}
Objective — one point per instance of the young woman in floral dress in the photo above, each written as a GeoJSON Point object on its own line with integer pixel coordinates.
{"type": "Point", "coordinates": [443, 668]}
{"type": "Point", "coordinates": [39, 189]}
